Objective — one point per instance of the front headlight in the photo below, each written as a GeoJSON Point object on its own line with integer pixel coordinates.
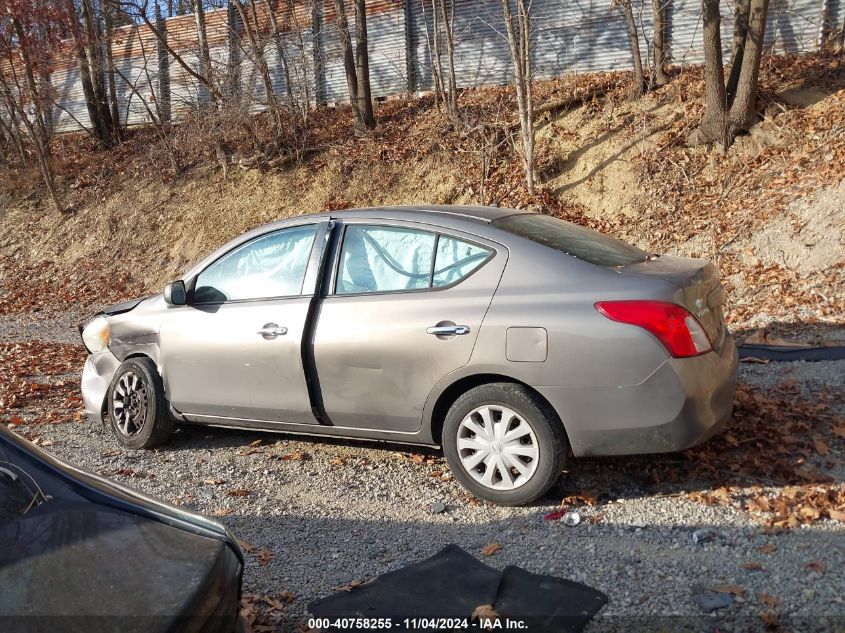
{"type": "Point", "coordinates": [96, 335]}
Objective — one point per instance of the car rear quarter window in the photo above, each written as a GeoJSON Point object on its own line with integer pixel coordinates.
{"type": "Point", "coordinates": [572, 239]}
{"type": "Point", "coordinates": [456, 259]}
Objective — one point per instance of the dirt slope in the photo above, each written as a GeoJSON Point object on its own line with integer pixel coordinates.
{"type": "Point", "coordinates": [770, 212]}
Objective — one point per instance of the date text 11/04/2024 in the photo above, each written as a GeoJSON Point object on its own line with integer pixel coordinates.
{"type": "Point", "coordinates": [418, 624]}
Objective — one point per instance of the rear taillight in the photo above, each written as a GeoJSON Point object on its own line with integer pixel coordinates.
{"type": "Point", "coordinates": [672, 324]}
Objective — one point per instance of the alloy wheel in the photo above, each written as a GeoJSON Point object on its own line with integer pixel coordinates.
{"type": "Point", "coordinates": [129, 403]}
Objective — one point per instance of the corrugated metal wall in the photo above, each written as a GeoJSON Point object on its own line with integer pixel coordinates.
{"type": "Point", "coordinates": [135, 53]}
{"type": "Point", "coordinates": [386, 38]}
{"type": "Point", "coordinates": [567, 36]}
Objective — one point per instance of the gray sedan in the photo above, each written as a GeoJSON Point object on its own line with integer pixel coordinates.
{"type": "Point", "coordinates": [511, 339]}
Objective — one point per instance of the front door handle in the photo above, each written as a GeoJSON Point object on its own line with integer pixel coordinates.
{"type": "Point", "coordinates": [448, 330]}
{"type": "Point", "coordinates": [272, 330]}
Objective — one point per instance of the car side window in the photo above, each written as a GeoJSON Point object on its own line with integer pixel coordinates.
{"type": "Point", "coordinates": [455, 259]}
{"type": "Point", "coordinates": [384, 259]}
{"type": "Point", "coordinates": [269, 266]}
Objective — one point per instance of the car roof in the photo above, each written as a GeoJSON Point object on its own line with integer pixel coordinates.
{"type": "Point", "coordinates": [425, 212]}
{"type": "Point", "coordinates": [444, 215]}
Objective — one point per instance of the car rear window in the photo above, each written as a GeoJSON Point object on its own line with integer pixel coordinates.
{"type": "Point", "coordinates": [577, 241]}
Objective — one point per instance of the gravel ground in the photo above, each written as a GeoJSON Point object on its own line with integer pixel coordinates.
{"type": "Point", "coordinates": [333, 512]}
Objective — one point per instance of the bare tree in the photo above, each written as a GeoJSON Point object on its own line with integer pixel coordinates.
{"type": "Point", "coordinates": [638, 82]}
{"type": "Point", "coordinates": [257, 46]}
{"type": "Point", "coordinates": [727, 115]}
{"type": "Point", "coordinates": [109, 12]}
{"type": "Point", "coordinates": [140, 11]}
{"type": "Point", "coordinates": [297, 83]}
{"type": "Point", "coordinates": [440, 15]}
{"type": "Point", "coordinates": [519, 37]}
{"type": "Point", "coordinates": [434, 51]}
{"type": "Point", "coordinates": [448, 19]}
{"type": "Point", "coordinates": [356, 65]}
{"type": "Point", "coordinates": [742, 12]}
{"type": "Point", "coordinates": [25, 45]}
{"type": "Point", "coordinates": [86, 36]}
{"type": "Point", "coordinates": [659, 72]}
{"type": "Point", "coordinates": [152, 105]}
{"type": "Point", "coordinates": [204, 51]}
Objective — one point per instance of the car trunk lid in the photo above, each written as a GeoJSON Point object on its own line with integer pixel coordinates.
{"type": "Point", "coordinates": [701, 291]}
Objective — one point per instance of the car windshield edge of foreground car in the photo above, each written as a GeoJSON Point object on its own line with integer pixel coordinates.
{"type": "Point", "coordinates": [511, 339]}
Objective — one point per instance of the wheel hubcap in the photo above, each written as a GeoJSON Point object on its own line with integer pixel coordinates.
{"type": "Point", "coordinates": [497, 447]}
{"type": "Point", "coordinates": [129, 403]}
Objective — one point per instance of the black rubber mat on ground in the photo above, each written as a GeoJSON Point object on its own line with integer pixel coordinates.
{"type": "Point", "coordinates": [450, 584]}
{"type": "Point", "coordinates": [788, 353]}
{"type": "Point", "coordinates": [453, 584]}
{"type": "Point", "coordinates": [545, 603]}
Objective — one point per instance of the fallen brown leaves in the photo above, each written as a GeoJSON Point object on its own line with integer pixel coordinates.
{"type": "Point", "coordinates": [296, 456]}
{"type": "Point", "coordinates": [769, 601]}
{"type": "Point", "coordinates": [580, 499]}
{"type": "Point", "coordinates": [45, 288]}
{"type": "Point", "coordinates": [490, 549]}
{"type": "Point", "coordinates": [487, 614]}
{"type": "Point", "coordinates": [734, 590]}
{"type": "Point", "coordinates": [264, 613]}
{"type": "Point", "coordinates": [40, 382]}
{"type": "Point", "coordinates": [768, 459]}
{"type": "Point", "coordinates": [238, 492]}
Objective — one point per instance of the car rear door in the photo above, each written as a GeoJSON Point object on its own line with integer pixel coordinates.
{"type": "Point", "coordinates": [235, 351]}
{"type": "Point", "coordinates": [404, 306]}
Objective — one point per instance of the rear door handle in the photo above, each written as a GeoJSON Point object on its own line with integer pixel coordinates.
{"type": "Point", "coordinates": [272, 330]}
{"type": "Point", "coordinates": [448, 330]}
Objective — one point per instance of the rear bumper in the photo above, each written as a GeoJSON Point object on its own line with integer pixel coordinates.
{"type": "Point", "coordinates": [96, 376]}
{"type": "Point", "coordinates": [682, 403]}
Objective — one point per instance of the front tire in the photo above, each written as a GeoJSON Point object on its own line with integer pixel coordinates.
{"type": "Point", "coordinates": [504, 443]}
{"type": "Point", "coordinates": [137, 409]}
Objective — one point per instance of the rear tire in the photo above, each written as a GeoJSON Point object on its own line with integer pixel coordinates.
{"type": "Point", "coordinates": [504, 443]}
{"type": "Point", "coordinates": [138, 412]}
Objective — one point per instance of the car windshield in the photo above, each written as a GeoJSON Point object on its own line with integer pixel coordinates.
{"type": "Point", "coordinates": [577, 241]}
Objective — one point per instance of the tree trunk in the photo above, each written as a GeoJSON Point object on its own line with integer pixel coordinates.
{"type": "Point", "coordinates": [82, 45]}
{"type": "Point", "coordinates": [743, 111]}
{"type": "Point", "coordinates": [280, 53]}
{"type": "Point", "coordinates": [108, 10]}
{"type": "Point", "coordinates": [161, 36]}
{"type": "Point", "coordinates": [362, 61]}
{"type": "Point", "coordinates": [660, 78]}
{"type": "Point", "coordinates": [11, 125]}
{"type": "Point", "coordinates": [713, 126]}
{"type": "Point", "coordinates": [349, 66]}
{"type": "Point", "coordinates": [521, 56]}
{"type": "Point", "coordinates": [103, 122]}
{"type": "Point", "coordinates": [741, 15]}
{"type": "Point", "coordinates": [437, 66]}
{"type": "Point", "coordinates": [37, 128]}
{"type": "Point", "coordinates": [448, 24]}
{"type": "Point", "coordinates": [202, 42]}
{"type": "Point", "coordinates": [528, 79]}
{"type": "Point", "coordinates": [252, 34]}
{"type": "Point", "coordinates": [637, 84]}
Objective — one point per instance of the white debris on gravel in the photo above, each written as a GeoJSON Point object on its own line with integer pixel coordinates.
{"type": "Point", "coordinates": [346, 511]}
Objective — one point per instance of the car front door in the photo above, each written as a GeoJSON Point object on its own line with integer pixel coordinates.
{"type": "Point", "coordinates": [404, 309]}
{"type": "Point", "coordinates": [235, 350]}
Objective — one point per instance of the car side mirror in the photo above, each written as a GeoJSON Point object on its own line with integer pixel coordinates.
{"type": "Point", "coordinates": [175, 294]}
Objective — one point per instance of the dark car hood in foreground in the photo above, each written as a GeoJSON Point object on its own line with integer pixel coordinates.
{"type": "Point", "coordinates": [84, 554]}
